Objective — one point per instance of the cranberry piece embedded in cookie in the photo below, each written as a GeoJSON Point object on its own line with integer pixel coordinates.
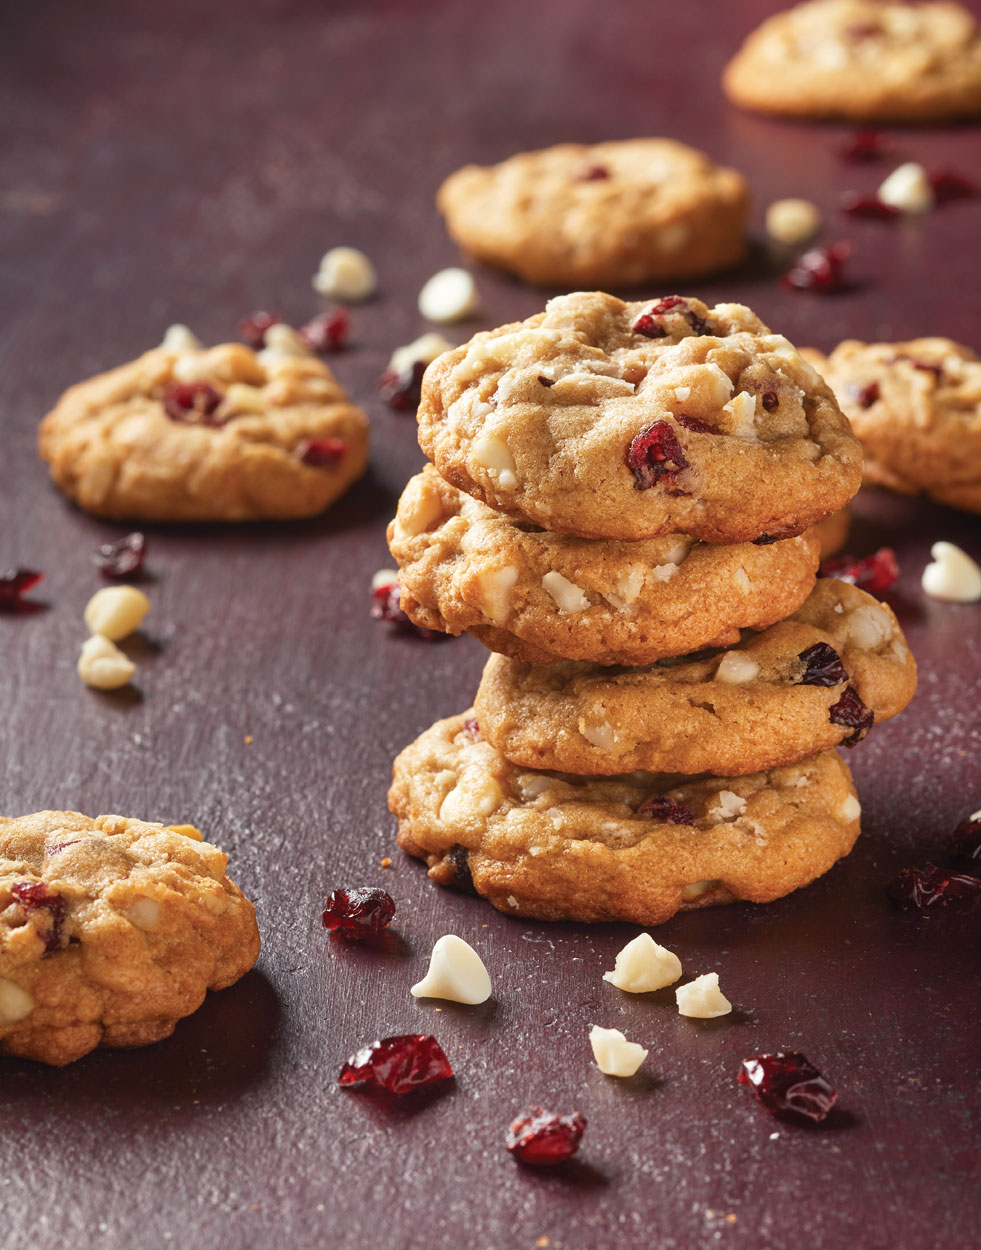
{"type": "Point", "coordinates": [770, 400]}
{"type": "Point", "coordinates": [320, 452]}
{"type": "Point", "coordinates": [594, 173]}
{"type": "Point", "coordinates": [192, 403]}
{"type": "Point", "coordinates": [946, 186]}
{"type": "Point", "coordinates": [870, 207]}
{"type": "Point", "coordinates": [327, 332]}
{"type": "Point", "coordinates": [471, 728]}
{"type": "Point", "coordinates": [866, 396]}
{"type": "Point", "coordinates": [822, 666]}
{"type": "Point", "coordinates": [695, 424]}
{"type": "Point", "coordinates": [401, 389]}
{"type": "Point", "coordinates": [253, 329]}
{"type": "Point", "coordinates": [653, 454]}
{"type": "Point", "coordinates": [820, 269]}
{"type": "Point", "coordinates": [541, 1137]}
{"type": "Point", "coordinates": [662, 809]}
{"type": "Point", "coordinates": [456, 861]}
{"type": "Point", "coordinates": [360, 913]}
{"type": "Point", "coordinates": [35, 896]}
{"type": "Point", "coordinates": [964, 844]}
{"type": "Point", "coordinates": [851, 712]}
{"type": "Point", "coordinates": [865, 145]}
{"type": "Point", "coordinates": [787, 1081]}
{"type": "Point", "coordinates": [398, 1064]}
{"type": "Point", "coordinates": [649, 325]}
{"type": "Point", "coordinates": [874, 573]}
{"type": "Point", "coordinates": [14, 584]}
{"type": "Point", "coordinates": [928, 886]}
{"type": "Point", "coordinates": [546, 382]}
{"type": "Point", "coordinates": [121, 559]}
{"type": "Point", "coordinates": [925, 366]}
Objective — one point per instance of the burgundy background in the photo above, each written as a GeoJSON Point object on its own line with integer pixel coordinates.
{"type": "Point", "coordinates": [191, 162]}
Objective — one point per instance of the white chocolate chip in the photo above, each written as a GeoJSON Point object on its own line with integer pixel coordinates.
{"type": "Point", "coordinates": [682, 393]}
{"type": "Point", "coordinates": [240, 397]}
{"type": "Point", "coordinates": [850, 809]}
{"type": "Point", "coordinates": [384, 577]}
{"type": "Point", "coordinates": [680, 549]}
{"type": "Point", "coordinates": [346, 274]}
{"type": "Point", "coordinates": [953, 576]}
{"type": "Point", "coordinates": [730, 805]}
{"type": "Point", "coordinates": [144, 913]}
{"type": "Point", "coordinates": [474, 796]}
{"type": "Point", "coordinates": [663, 572]}
{"type": "Point", "coordinates": [495, 586]}
{"type": "Point", "coordinates": [512, 902]}
{"type": "Point", "coordinates": [629, 586]}
{"type": "Point", "coordinates": [614, 1055]}
{"type": "Point", "coordinates": [695, 889]}
{"type": "Point", "coordinates": [702, 999]}
{"type": "Point", "coordinates": [600, 736]}
{"type": "Point", "coordinates": [643, 966]}
{"type": "Point", "coordinates": [742, 409]}
{"type": "Point", "coordinates": [423, 350]}
{"type": "Point", "coordinates": [116, 611]}
{"type": "Point", "coordinates": [456, 973]}
{"type": "Point", "coordinates": [449, 295]}
{"type": "Point", "coordinates": [868, 626]}
{"type": "Point", "coordinates": [15, 1002]}
{"type": "Point", "coordinates": [179, 340]}
{"type": "Point", "coordinates": [195, 366]}
{"type": "Point", "coordinates": [102, 665]}
{"type": "Point", "coordinates": [494, 455]}
{"type": "Point", "coordinates": [530, 786]}
{"type": "Point", "coordinates": [735, 668]}
{"type": "Point", "coordinates": [418, 509]}
{"type": "Point", "coordinates": [792, 221]}
{"type": "Point", "coordinates": [908, 189]}
{"type": "Point", "coordinates": [282, 343]}
{"type": "Point", "coordinates": [567, 595]}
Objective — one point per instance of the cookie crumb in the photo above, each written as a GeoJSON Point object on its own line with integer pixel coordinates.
{"type": "Point", "coordinates": [386, 862]}
{"type": "Point", "coordinates": [248, 740]}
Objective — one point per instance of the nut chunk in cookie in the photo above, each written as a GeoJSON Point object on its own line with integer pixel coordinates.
{"type": "Point", "coordinates": [223, 434]}
{"type": "Point", "coordinates": [111, 930]}
{"type": "Point", "coordinates": [607, 215]}
{"type": "Point", "coordinates": [630, 421]}
{"type": "Point", "coordinates": [862, 60]}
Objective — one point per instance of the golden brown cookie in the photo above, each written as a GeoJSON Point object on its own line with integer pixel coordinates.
{"type": "Point", "coordinates": [636, 848]}
{"type": "Point", "coordinates": [217, 435]}
{"type": "Point", "coordinates": [614, 420]}
{"type": "Point", "coordinates": [111, 930]}
{"type": "Point", "coordinates": [539, 596]}
{"type": "Point", "coordinates": [832, 533]}
{"type": "Point", "coordinates": [607, 215]}
{"type": "Point", "coordinates": [862, 60]}
{"type": "Point", "coordinates": [810, 683]}
{"type": "Point", "coordinates": [916, 406]}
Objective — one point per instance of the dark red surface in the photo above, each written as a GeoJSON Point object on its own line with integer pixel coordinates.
{"type": "Point", "coordinates": [190, 161]}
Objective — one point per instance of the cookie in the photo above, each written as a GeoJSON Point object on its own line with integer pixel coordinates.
{"type": "Point", "coordinates": [539, 596]}
{"type": "Point", "coordinates": [916, 406]}
{"type": "Point", "coordinates": [832, 533]}
{"type": "Point", "coordinates": [614, 420]}
{"type": "Point", "coordinates": [636, 848]}
{"type": "Point", "coordinates": [807, 684]}
{"type": "Point", "coordinates": [111, 930]}
{"type": "Point", "coordinates": [217, 435]}
{"type": "Point", "coordinates": [606, 215]}
{"type": "Point", "coordinates": [861, 60]}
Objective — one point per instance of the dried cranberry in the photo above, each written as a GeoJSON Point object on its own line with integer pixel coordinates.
{"type": "Point", "coordinates": [546, 381]}
{"type": "Point", "coordinates": [35, 896]}
{"type": "Point", "coordinates": [387, 607]}
{"type": "Point", "coordinates": [402, 389]}
{"type": "Point", "coordinates": [820, 269]}
{"type": "Point", "coordinates": [360, 913]}
{"type": "Point", "coordinates": [471, 728]}
{"type": "Point", "coordinates": [647, 324]}
{"type": "Point", "coordinates": [870, 207]}
{"type": "Point", "coordinates": [964, 844]}
{"type": "Point", "coordinates": [192, 403]}
{"type": "Point", "coordinates": [864, 145]}
{"type": "Point", "coordinates": [928, 886]}
{"type": "Point", "coordinates": [766, 540]}
{"type": "Point", "coordinates": [121, 559]}
{"type": "Point", "coordinates": [319, 452]}
{"type": "Point", "coordinates": [770, 400]}
{"type": "Point", "coordinates": [874, 573]}
{"type": "Point", "coordinates": [457, 860]}
{"type": "Point", "coordinates": [866, 396]}
{"type": "Point", "coordinates": [14, 584]}
{"type": "Point", "coordinates": [653, 454]}
{"type": "Point", "coordinates": [864, 30]}
{"type": "Point", "coordinates": [822, 666]}
{"type": "Point", "coordinates": [787, 1081]}
{"type": "Point", "coordinates": [398, 1064]}
{"type": "Point", "coordinates": [925, 366]}
{"type": "Point", "coordinates": [947, 185]}
{"type": "Point", "coordinates": [594, 173]}
{"type": "Point", "coordinates": [695, 424]}
{"type": "Point", "coordinates": [541, 1137]}
{"type": "Point", "coordinates": [327, 332]}
{"type": "Point", "coordinates": [648, 327]}
{"type": "Point", "coordinates": [253, 329]}
{"type": "Point", "coordinates": [851, 712]}
{"type": "Point", "coordinates": [662, 809]}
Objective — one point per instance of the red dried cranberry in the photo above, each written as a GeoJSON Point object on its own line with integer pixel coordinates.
{"type": "Point", "coordinates": [647, 324]}
{"type": "Point", "coordinates": [822, 666]}
{"type": "Point", "coordinates": [594, 173]}
{"type": "Point", "coordinates": [402, 389]}
{"type": "Point", "coordinates": [866, 396]}
{"type": "Point", "coordinates": [541, 1137]}
{"type": "Point", "coordinates": [925, 366]}
{"type": "Point", "coordinates": [662, 809]}
{"type": "Point", "coordinates": [14, 584]}
{"type": "Point", "coordinates": [864, 30]}
{"type": "Point", "coordinates": [192, 403]}
{"type": "Point", "coordinates": [319, 452]}
{"type": "Point", "coordinates": [870, 207]}
{"type": "Point", "coordinates": [471, 728]}
{"type": "Point", "coordinates": [874, 573]}
{"type": "Point", "coordinates": [947, 185]}
{"type": "Point", "coordinates": [457, 860]}
{"type": "Point", "coordinates": [648, 327]}
{"type": "Point", "coordinates": [398, 1064]}
{"type": "Point", "coordinates": [851, 712]}
{"type": "Point", "coordinates": [695, 424]}
{"type": "Point", "coordinates": [770, 400]}
{"type": "Point", "coordinates": [964, 844]}
{"type": "Point", "coordinates": [546, 381]}
{"type": "Point", "coordinates": [360, 913]}
{"type": "Point", "coordinates": [253, 329]}
{"type": "Point", "coordinates": [787, 1081]}
{"type": "Point", "coordinates": [387, 607]}
{"type": "Point", "coordinates": [52, 848]}
{"type": "Point", "coordinates": [864, 145]}
{"type": "Point", "coordinates": [928, 886]}
{"type": "Point", "coordinates": [327, 332]}
{"type": "Point", "coordinates": [121, 559]}
{"type": "Point", "coordinates": [820, 269]}
{"type": "Point", "coordinates": [35, 896]}
{"type": "Point", "coordinates": [653, 454]}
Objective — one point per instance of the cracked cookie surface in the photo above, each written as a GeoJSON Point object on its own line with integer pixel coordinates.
{"type": "Point", "coordinates": [111, 930]}
{"type": "Point", "coordinates": [637, 848]}
{"type": "Point", "coordinates": [606, 215]}
{"type": "Point", "coordinates": [631, 421]}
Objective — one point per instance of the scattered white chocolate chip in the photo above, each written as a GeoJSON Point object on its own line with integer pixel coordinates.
{"type": "Point", "coordinates": [735, 668]}
{"type": "Point", "coordinates": [601, 736]}
{"type": "Point", "coordinates": [474, 796]}
{"type": "Point", "coordinates": [663, 572]}
{"type": "Point", "coordinates": [850, 809]}
{"type": "Point", "coordinates": [282, 343]}
{"type": "Point", "coordinates": [144, 913]}
{"type": "Point", "coordinates": [614, 1055]}
{"type": "Point", "coordinates": [449, 295]}
{"type": "Point", "coordinates": [102, 665]}
{"type": "Point", "coordinates": [908, 189]}
{"type": "Point", "coordinates": [868, 627]}
{"type": "Point", "coordinates": [15, 1003]}
{"type": "Point", "coordinates": [116, 611]}
{"type": "Point", "coordinates": [494, 455]}
{"type": "Point", "coordinates": [792, 221]}
{"type": "Point", "coordinates": [702, 999]}
{"type": "Point", "coordinates": [384, 577]}
{"type": "Point", "coordinates": [424, 349]}
{"type": "Point", "coordinates": [347, 274]}
{"type": "Point", "coordinates": [456, 972]}
{"type": "Point", "coordinates": [495, 586]}
{"type": "Point", "coordinates": [682, 393]}
{"type": "Point", "coordinates": [567, 595]}
{"type": "Point", "coordinates": [179, 339]}
{"type": "Point", "coordinates": [953, 576]}
{"type": "Point", "coordinates": [643, 966]}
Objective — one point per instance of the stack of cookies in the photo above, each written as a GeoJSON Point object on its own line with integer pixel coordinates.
{"type": "Point", "coordinates": [622, 508]}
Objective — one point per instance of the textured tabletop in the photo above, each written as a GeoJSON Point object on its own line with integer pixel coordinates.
{"type": "Point", "coordinates": [191, 162]}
